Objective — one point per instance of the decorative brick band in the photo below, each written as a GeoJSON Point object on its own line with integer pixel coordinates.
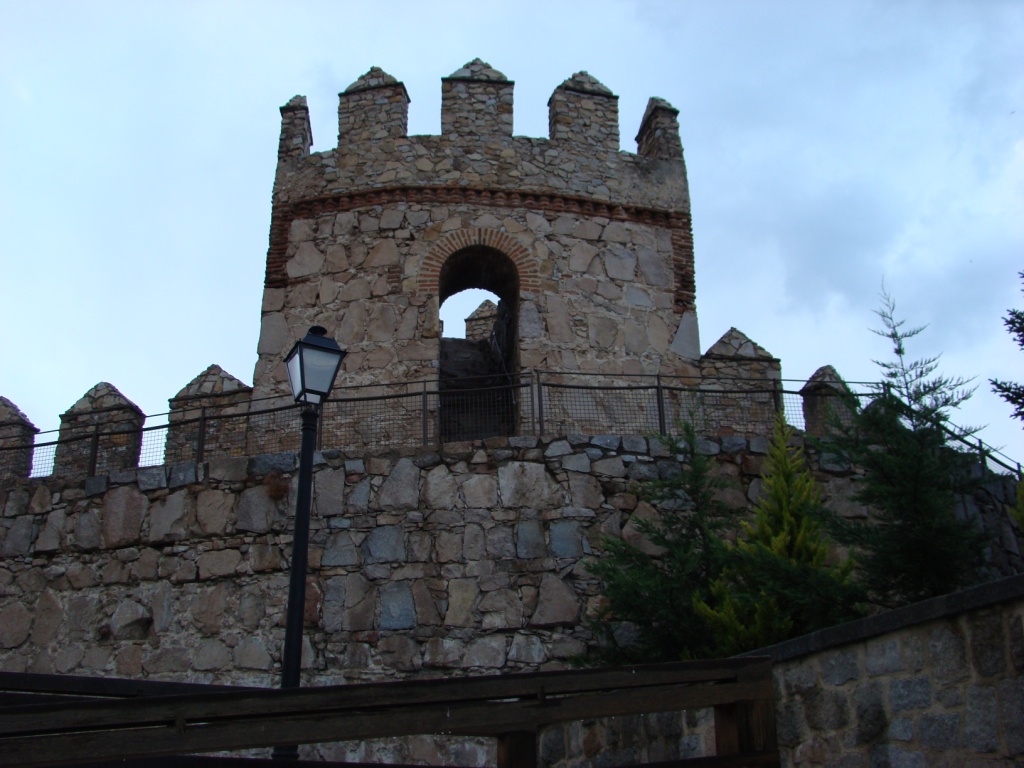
{"type": "Point", "coordinates": [470, 237]}
{"type": "Point", "coordinates": [677, 221]}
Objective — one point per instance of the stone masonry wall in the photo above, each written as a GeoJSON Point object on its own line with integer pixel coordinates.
{"type": "Point", "coordinates": [465, 559]}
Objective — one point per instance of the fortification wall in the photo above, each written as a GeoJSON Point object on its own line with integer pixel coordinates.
{"type": "Point", "coordinates": [466, 558]}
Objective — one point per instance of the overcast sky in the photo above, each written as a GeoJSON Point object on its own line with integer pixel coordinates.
{"type": "Point", "coordinates": [832, 148]}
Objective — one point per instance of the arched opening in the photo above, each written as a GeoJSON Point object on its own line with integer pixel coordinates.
{"type": "Point", "coordinates": [476, 372]}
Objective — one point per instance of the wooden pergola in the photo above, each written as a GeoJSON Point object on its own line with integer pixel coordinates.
{"type": "Point", "coordinates": [53, 720]}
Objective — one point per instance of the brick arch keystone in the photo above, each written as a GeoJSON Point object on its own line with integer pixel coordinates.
{"type": "Point", "coordinates": [470, 237]}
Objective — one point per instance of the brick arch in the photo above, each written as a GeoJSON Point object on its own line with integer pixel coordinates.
{"type": "Point", "coordinates": [525, 263]}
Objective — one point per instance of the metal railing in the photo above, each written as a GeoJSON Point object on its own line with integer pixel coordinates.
{"type": "Point", "coordinates": [384, 417]}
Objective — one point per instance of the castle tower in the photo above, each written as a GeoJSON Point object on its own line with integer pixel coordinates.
{"type": "Point", "coordinates": [588, 248]}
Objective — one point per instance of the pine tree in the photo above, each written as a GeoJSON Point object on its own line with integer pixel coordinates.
{"type": "Point", "coordinates": [1010, 391]}
{"type": "Point", "coordinates": [915, 547]}
{"type": "Point", "coordinates": [778, 583]}
{"type": "Point", "coordinates": [655, 595]}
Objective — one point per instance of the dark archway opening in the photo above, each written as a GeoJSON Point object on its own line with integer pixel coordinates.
{"type": "Point", "coordinates": [477, 372]}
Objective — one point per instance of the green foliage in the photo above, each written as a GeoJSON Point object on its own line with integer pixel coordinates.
{"type": "Point", "coordinates": [698, 596]}
{"type": "Point", "coordinates": [778, 583]}
{"type": "Point", "coordinates": [655, 595]}
{"type": "Point", "coordinates": [915, 547]}
{"type": "Point", "coordinates": [1011, 391]}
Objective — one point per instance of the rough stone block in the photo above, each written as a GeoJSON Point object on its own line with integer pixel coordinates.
{"type": "Point", "coordinates": [909, 694]}
{"type": "Point", "coordinates": [397, 608]}
{"type": "Point", "coordinates": [839, 667]}
{"type": "Point", "coordinates": [221, 562]}
{"type": "Point", "coordinates": [340, 550]}
{"type": "Point", "coordinates": [123, 511]}
{"type": "Point", "coordinates": [530, 540]}
{"type": "Point", "coordinates": [18, 541]}
{"type": "Point", "coordinates": [565, 539]}
{"type": "Point", "coordinates": [401, 490]}
{"type": "Point", "coordinates": [384, 544]}
{"type": "Point", "coordinates": [94, 486]}
{"type": "Point", "coordinates": [883, 657]}
{"type": "Point", "coordinates": [256, 510]}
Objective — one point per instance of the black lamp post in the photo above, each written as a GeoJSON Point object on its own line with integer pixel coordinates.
{"type": "Point", "coordinates": [313, 364]}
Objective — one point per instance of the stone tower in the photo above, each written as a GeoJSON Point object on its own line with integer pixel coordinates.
{"type": "Point", "coordinates": [588, 248]}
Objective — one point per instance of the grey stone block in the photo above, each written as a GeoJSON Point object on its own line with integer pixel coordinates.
{"type": "Point", "coordinates": [980, 732]}
{"type": "Point", "coordinates": [94, 486]}
{"type": "Point", "coordinates": [608, 442]}
{"type": "Point", "coordinates": [565, 539]}
{"type": "Point", "coordinates": [948, 653]}
{"type": "Point", "coordinates": [557, 448]}
{"type": "Point", "coordinates": [940, 732]}
{"type": "Point", "coordinates": [340, 550]}
{"type": "Point", "coordinates": [708, 447]}
{"type": "Point", "coordinates": [397, 609]}
{"type": "Point", "coordinates": [834, 462]}
{"type": "Point", "coordinates": [901, 729]}
{"type": "Point", "coordinates": [530, 540]}
{"type": "Point", "coordinates": [576, 462]}
{"type": "Point", "coordinates": [634, 444]}
{"type": "Point", "coordinates": [827, 710]}
{"type": "Point", "coordinates": [869, 708]}
{"type": "Point", "coordinates": [152, 478]}
{"type": "Point", "coordinates": [883, 657]}
{"type": "Point", "coordinates": [1011, 714]}
{"type": "Point", "coordinates": [183, 474]}
{"type": "Point", "coordinates": [988, 646]}
{"type": "Point", "coordinates": [285, 461]}
{"type": "Point", "coordinates": [641, 471]}
{"type": "Point", "coordinates": [759, 445]}
{"type": "Point", "coordinates": [124, 476]}
{"type": "Point", "coordinates": [733, 444]}
{"type": "Point", "coordinates": [914, 693]}
{"type": "Point", "coordinates": [385, 544]}
{"type": "Point", "coordinates": [888, 756]}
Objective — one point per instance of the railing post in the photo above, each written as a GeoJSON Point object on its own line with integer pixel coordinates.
{"type": "Point", "coordinates": [517, 750]}
{"type": "Point", "coordinates": [661, 405]}
{"type": "Point", "coordinates": [540, 405]}
{"type": "Point", "coordinates": [201, 439]}
{"type": "Point", "coordinates": [425, 426]}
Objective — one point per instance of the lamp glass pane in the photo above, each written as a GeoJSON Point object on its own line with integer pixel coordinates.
{"type": "Point", "coordinates": [294, 364]}
{"type": "Point", "coordinates": [319, 369]}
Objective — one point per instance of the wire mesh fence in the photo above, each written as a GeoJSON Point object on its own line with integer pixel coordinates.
{"type": "Point", "coordinates": [383, 417]}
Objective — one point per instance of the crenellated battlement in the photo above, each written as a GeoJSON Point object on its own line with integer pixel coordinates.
{"type": "Point", "coordinates": [476, 146]}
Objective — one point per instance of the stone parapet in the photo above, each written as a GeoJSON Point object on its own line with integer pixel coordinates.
{"type": "Point", "coordinates": [101, 433]}
{"type": "Point", "coordinates": [16, 437]}
{"type": "Point", "coordinates": [476, 103]}
{"type": "Point", "coordinates": [659, 132]}
{"type": "Point", "coordinates": [583, 111]}
{"type": "Point", "coordinates": [191, 434]}
{"type": "Point", "coordinates": [374, 107]}
{"type": "Point", "coordinates": [935, 683]}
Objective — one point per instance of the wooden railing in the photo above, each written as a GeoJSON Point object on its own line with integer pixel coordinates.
{"type": "Point", "coordinates": [49, 720]}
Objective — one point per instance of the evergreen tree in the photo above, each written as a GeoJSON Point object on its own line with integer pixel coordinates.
{"type": "Point", "coordinates": [655, 595]}
{"type": "Point", "coordinates": [778, 583]}
{"type": "Point", "coordinates": [1010, 391]}
{"type": "Point", "coordinates": [915, 547]}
